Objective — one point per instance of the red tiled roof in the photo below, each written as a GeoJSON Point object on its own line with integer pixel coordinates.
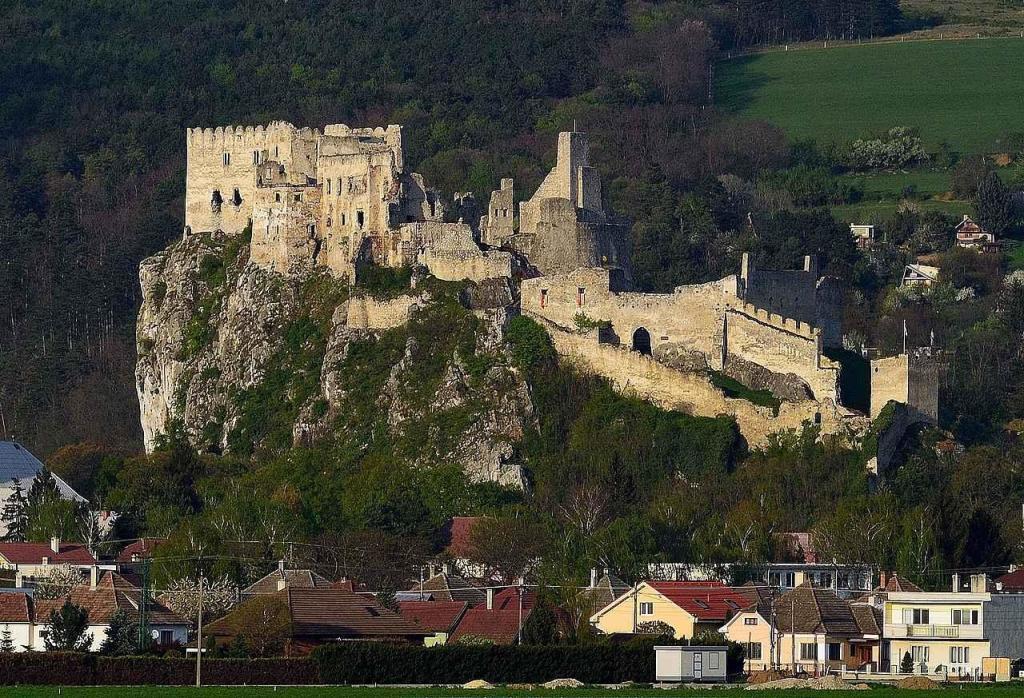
{"type": "Point", "coordinates": [112, 593]}
{"type": "Point", "coordinates": [33, 554]}
{"type": "Point", "coordinates": [1012, 581]}
{"type": "Point", "coordinates": [705, 601]}
{"type": "Point", "coordinates": [14, 607]}
{"type": "Point", "coordinates": [143, 548]}
{"type": "Point", "coordinates": [500, 623]}
{"type": "Point", "coordinates": [458, 534]}
{"type": "Point", "coordinates": [433, 616]}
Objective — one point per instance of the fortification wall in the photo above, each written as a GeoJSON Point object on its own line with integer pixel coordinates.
{"type": "Point", "coordinates": [783, 346]}
{"type": "Point", "coordinates": [284, 229]}
{"type": "Point", "coordinates": [889, 381]}
{"type": "Point", "coordinates": [367, 313]}
{"type": "Point", "coordinates": [911, 379]}
{"type": "Point", "coordinates": [634, 373]}
{"type": "Point", "coordinates": [497, 225]}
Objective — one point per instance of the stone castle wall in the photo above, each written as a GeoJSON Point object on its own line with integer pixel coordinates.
{"type": "Point", "coordinates": [911, 379]}
{"type": "Point", "coordinates": [368, 313]}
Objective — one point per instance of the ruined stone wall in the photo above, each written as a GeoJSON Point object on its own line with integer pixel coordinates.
{"type": "Point", "coordinates": [923, 386]}
{"type": "Point", "coordinates": [284, 228]}
{"type": "Point", "coordinates": [783, 346]}
{"type": "Point", "coordinates": [498, 224]}
{"type": "Point", "coordinates": [911, 379]}
{"type": "Point", "coordinates": [449, 252]}
{"type": "Point", "coordinates": [640, 375]}
{"type": "Point", "coordinates": [889, 381]}
{"type": "Point", "coordinates": [368, 313]}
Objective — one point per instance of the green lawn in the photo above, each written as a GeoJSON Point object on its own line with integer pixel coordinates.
{"type": "Point", "coordinates": [338, 692]}
{"type": "Point", "coordinates": [965, 93]}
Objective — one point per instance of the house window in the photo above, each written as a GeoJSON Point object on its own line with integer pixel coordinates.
{"type": "Point", "coordinates": [750, 621]}
{"type": "Point", "coordinates": [808, 652]}
{"type": "Point", "coordinates": [226, 158]}
{"type": "Point", "coordinates": [753, 650]}
{"type": "Point", "coordinates": [959, 655]}
{"type": "Point", "coordinates": [965, 616]}
{"type": "Point", "coordinates": [166, 637]}
{"type": "Point", "coordinates": [712, 660]}
{"type": "Point", "coordinates": [581, 297]}
{"type": "Point", "coordinates": [543, 298]}
{"type": "Point", "coordinates": [916, 616]}
{"type": "Point", "coordinates": [835, 651]}
{"type": "Point", "coordinates": [646, 608]}
{"type": "Point", "coordinates": [919, 653]}
{"type": "Point", "coordinates": [360, 218]}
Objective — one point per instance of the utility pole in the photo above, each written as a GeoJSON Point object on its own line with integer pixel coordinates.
{"type": "Point", "coordinates": [520, 594]}
{"type": "Point", "coordinates": [199, 638]}
{"type": "Point", "coordinates": [144, 607]}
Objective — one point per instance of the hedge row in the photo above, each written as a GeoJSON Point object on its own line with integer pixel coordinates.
{"type": "Point", "coordinates": [453, 664]}
{"type": "Point", "coordinates": [346, 663]}
{"type": "Point", "coordinates": [55, 668]}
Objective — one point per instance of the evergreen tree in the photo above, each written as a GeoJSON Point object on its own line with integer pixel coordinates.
{"type": "Point", "coordinates": [6, 641]}
{"type": "Point", "coordinates": [48, 513]}
{"type": "Point", "coordinates": [66, 630]}
{"type": "Point", "coordinates": [15, 514]}
{"type": "Point", "coordinates": [122, 635]}
{"type": "Point", "coordinates": [993, 205]}
{"type": "Point", "coordinates": [907, 664]}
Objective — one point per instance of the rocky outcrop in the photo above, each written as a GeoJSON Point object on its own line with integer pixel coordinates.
{"type": "Point", "coordinates": [785, 386]}
{"type": "Point", "coordinates": [240, 359]}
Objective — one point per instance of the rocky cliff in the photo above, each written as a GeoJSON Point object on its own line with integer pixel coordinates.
{"type": "Point", "coordinates": [241, 360]}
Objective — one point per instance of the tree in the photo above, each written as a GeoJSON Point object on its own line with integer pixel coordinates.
{"type": "Point", "coordinates": [907, 664]}
{"type": "Point", "coordinates": [262, 625]}
{"type": "Point", "coordinates": [59, 582]}
{"type": "Point", "coordinates": [66, 629]}
{"type": "Point", "coordinates": [6, 641]}
{"type": "Point", "coordinates": [182, 597]}
{"type": "Point", "coordinates": [48, 513]}
{"type": "Point", "coordinates": [507, 547]}
{"type": "Point", "coordinates": [122, 635]}
{"type": "Point", "coordinates": [15, 513]}
{"type": "Point", "coordinates": [993, 205]}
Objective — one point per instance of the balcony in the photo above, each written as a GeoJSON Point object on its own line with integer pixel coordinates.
{"type": "Point", "coordinates": [933, 631]}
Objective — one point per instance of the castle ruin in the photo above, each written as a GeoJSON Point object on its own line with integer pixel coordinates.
{"type": "Point", "coordinates": [341, 197]}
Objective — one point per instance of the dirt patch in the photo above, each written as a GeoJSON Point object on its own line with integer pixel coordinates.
{"type": "Point", "coordinates": [478, 683]}
{"type": "Point", "coordinates": [825, 683]}
{"type": "Point", "coordinates": [562, 683]}
{"type": "Point", "coordinates": [918, 683]}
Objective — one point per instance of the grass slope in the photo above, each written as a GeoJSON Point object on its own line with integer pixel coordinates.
{"type": "Point", "coordinates": [964, 93]}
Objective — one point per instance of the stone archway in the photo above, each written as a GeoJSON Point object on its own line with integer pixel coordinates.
{"type": "Point", "coordinates": [642, 341]}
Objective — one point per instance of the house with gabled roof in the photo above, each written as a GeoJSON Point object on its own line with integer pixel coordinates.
{"type": "Point", "coordinates": [809, 629]}
{"type": "Point", "coordinates": [281, 578]}
{"type": "Point", "coordinates": [317, 616]}
{"type": "Point", "coordinates": [688, 607]}
{"type": "Point", "coordinates": [17, 463]}
{"type": "Point", "coordinates": [448, 587]}
{"type": "Point", "coordinates": [105, 594]}
{"type": "Point", "coordinates": [437, 617]}
{"type": "Point", "coordinates": [31, 560]}
{"type": "Point", "coordinates": [498, 620]}
{"type": "Point", "coordinates": [973, 236]}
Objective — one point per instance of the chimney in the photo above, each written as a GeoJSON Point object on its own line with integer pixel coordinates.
{"type": "Point", "coordinates": [19, 580]}
{"type": "Point", "coordinates": [55, 544]}
{"type": "Point", "coordinates": [593, 577]}
{"type": "Point", "coordinates": [883, 579]}
{"type": "Point", "coordinates": [46, 561]}
{"type": "Point", "coordinates": [94, 577]}
{"type": "Point", "coordinates": [282, 584]}
{"type": "Point", "coordinates": [490, 599]}
{"type": "Point", "coordinates": [280, 566]}
{"type": "Point", "coordinates": [431, 570]}
{"type": "Point", "coordinates": [956, 582]}
{"type": "Point", "coordinates": [979, 583]}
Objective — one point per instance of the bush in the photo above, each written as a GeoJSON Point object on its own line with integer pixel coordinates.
{"type": "Point", "coordinates": [899, 147]}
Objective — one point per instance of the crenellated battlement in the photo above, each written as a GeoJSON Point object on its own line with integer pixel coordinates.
{"type": "Point", "coordinates": [778, 321]}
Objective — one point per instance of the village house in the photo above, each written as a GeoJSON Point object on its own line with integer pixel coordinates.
{"type": "Point", "coordinates": [33, 561]}
{"type": "Point", "coordinates": [307, 618]}
{"type": "Point", "coordinates": [972, 236]}
{"type": "Point", "coordinates": [439, 618]}
{"type": "Point", "coordinates": [956, 632]}
{"type": "Point", "coordinates": [27, 617]}
{"type": "Point", "coordinates": [863, 235]}
{"type": "Point", "coordinates": [808, 629]}
{"type": "Point", "coordinates": [920, 276]}
{"type": "Point", "coordinates": [443, 586]}
{"type": "Point", "coordinates": [281, 578]}
{"type": "Point", "coordinates": [17, 463]}
{"type": "Point", "coordinates": [689, 608]}
{"type": "Point", "coordinates": [499, 620]}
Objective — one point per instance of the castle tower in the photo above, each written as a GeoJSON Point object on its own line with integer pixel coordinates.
{"type": "Point", "coordinates": [497, 225]}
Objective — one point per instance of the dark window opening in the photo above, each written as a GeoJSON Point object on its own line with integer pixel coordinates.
{"type": "Point", "coordinates": [216, 201]}
{"type": "Point", "coordinates": [360, 219]}
{"type": "Point", "coordinates": [642, 341]}
{"type": "Point", "coordinates": [328, 222]}
{"type": "Point", "coordinates": [236, 198]}
{"type": "Point", "coordinates": [277, 197]}
{"type": "Point", "coordinates": [297, 197]}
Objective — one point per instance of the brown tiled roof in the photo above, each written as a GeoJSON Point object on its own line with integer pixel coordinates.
{"type": "Point", "coordinates": [608, 588]}
{"type": "Point", "coordinates": [433, 616]}
{"type": "Point", "coordinates": [451, 587]}
{"type": "Point", "coordinates": [112, 593]}
{"type": "Point", "coordinates": [1011, 581]}
{"type": "Point", "coordinates": [500, 624]}
{"type": "Point", "coordinates": [15, 607]}
{"type": "Point", "coordinates": [33, 554]}
{"type": "Point", "coordinates": [868, 618]}
{"type": "Point", "coordinates": [296, 579]}
{"type": "Point", "coordinates": [811, 609]}
{"type": "Point", "coordinates": [327, 613]}
{"type": "Point", "coordinates": [143, 548]}
{"type": "Point", "coordinates": [898, 583]}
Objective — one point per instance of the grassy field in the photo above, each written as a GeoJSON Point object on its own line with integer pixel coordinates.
{"type": "Point", "coordinates": [340, 692]}
{"type": "Point", "coordinates": [964, 93]}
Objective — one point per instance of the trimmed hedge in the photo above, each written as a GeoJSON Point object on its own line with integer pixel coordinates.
{"type": "Point", "coordinates": [454, 664]}
{"type": "Point", "coordinates": [57, 668]}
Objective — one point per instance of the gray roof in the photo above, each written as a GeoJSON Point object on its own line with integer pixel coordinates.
{"type": "Point", "coordinates": [16, 463]}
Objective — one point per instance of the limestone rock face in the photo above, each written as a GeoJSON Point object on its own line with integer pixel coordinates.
{"type": "Point", "coordinates": [227, 348]}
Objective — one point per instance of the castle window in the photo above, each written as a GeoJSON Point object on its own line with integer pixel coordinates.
{"type": "Point", "coordinates": [216, 201]}
{"type": "Point", "coordinates": [504, 213]}
{"type": "Point", "coordinates": [360, 218]}
{"type": "Point", "coordinates": [328, 222]}
{"type": "Point", "coordinates": [543, 298]}
{"type": "Point", "coordinates": [255, 157]}
{"type": "Point", "coordinates": [275, 152]}
{"type": "Point", "coordinates": [297, 197]}
{"type": "Point", "coordinates": [311, 229]}
{"type": "Point", "coordinates": [581, 297]}
{"type": "Point", "coordinates": [495, 213]}
{"type": "Point", "coordinates": [328, 186]}
{"type": "Point", "coordinates": [277, 197]}
{"type": "Point", "coordinates": [227, 158]}
{"type": "Point", "coordinates": [343, 222]}
{"type": "Point", "coordinates": [236, 198]}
